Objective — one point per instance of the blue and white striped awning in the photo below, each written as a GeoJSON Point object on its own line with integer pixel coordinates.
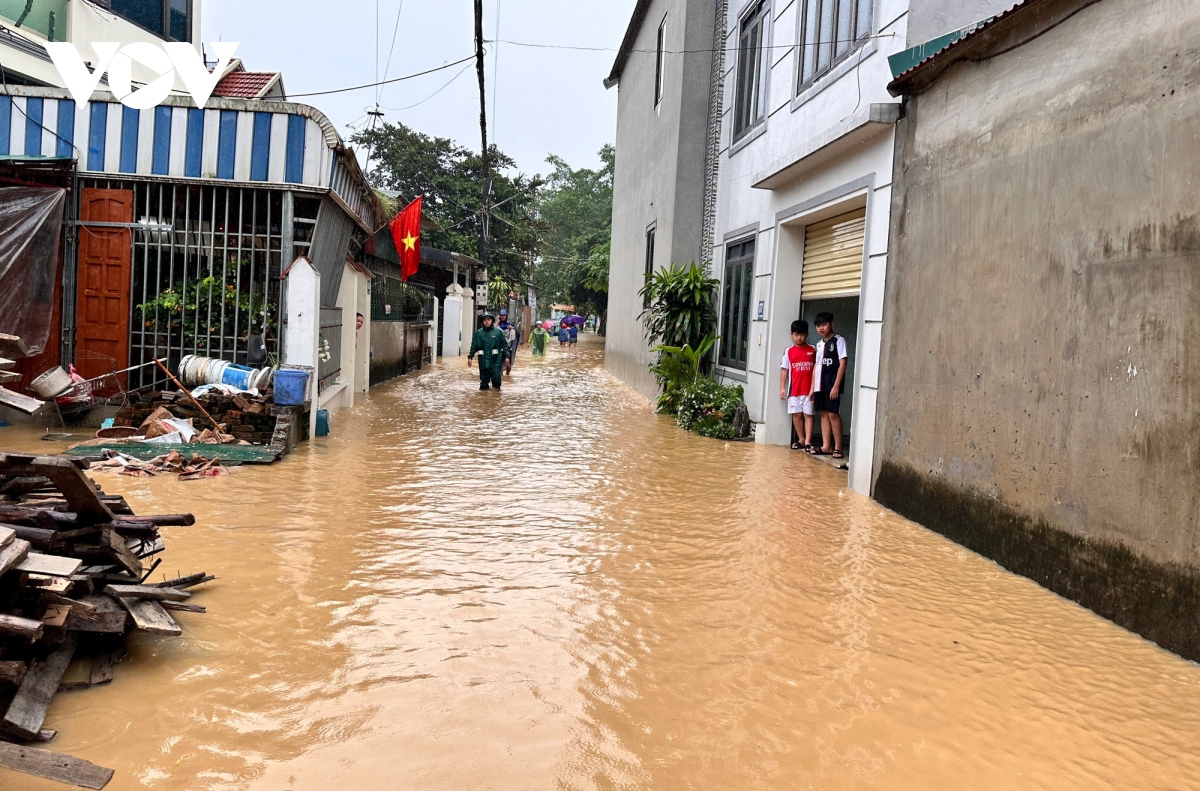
{"type": "Point", "coordinates": [241, 140]}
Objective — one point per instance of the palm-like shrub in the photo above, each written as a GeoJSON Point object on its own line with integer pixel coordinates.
{"type": "Point", "coordinates": [681, 306]}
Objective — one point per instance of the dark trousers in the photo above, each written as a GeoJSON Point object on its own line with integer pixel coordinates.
{"type": "Point", "coordinates": [490, 377]}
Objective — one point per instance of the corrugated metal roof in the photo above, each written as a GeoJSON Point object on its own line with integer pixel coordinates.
{"type": "Point", "coordinates": [903, 64]}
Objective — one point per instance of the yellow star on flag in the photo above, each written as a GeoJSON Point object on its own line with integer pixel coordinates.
{"type": "Point", "coordinates": [410, 242]}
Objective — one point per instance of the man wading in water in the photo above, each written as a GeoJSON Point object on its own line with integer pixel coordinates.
{"type": "Point", "coordinates": [489, 341]}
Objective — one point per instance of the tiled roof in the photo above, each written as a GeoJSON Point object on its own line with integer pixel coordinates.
{"type": "Point", "coordinates": [246, 84]}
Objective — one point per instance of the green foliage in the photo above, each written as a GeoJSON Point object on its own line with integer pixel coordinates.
{"type": "Point", "coordinates": [450, 177]}
{"type": "Point", "coordinates": [682, 306]}
{"type": "Point", "coordinates": [204, 308]}
{"type": "Point", "coordinates": [576, 207]}
{"type": "Point", "coordinates": [708, 408]}
{"type": "Point", "coordinates": [678, 368]}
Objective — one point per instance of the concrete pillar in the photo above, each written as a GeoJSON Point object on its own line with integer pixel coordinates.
{"type": "Point", "coordinates": [302, 334]}
{"type": "Point", "coordinates": [452, 322]}
{"type": "Point", "coordinates": [433, 344]}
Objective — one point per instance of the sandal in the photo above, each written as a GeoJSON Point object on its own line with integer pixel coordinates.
{"type": "Point", "coordinates": [837, 454]}
{"type": "Point", "coordinates": [799, 446]}
{"type": "Point", "coordinates": [815, 451]}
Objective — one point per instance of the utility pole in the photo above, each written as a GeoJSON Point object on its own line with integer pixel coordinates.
{"type": "Point", "coordinates": [484, 216]}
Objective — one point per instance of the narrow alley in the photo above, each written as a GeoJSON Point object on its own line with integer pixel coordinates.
{"type": "Point", "coordinates": [555, 588]}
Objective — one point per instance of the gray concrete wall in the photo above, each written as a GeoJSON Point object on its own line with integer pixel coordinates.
{"type": "Point", "coordinates": [659, 175]}
{"type": "Point", "coordinates": [928, 19]}
{"type": "Point", "coordinates": [1040, 397]}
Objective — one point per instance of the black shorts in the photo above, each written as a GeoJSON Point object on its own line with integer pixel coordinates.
{"type": "Point", "coordinates": [823, 403]}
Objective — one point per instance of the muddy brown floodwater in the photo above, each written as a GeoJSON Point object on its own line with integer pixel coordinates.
{"type": "Point", "coordinates": [554, 588]}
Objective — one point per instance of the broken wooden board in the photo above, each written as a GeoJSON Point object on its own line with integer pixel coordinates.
{"type": "Point", "coordinates": [54, 766]}
{"type": "Point", "coordinates": [49, 565]}
{"type": "Point", "coordinates": [7, 377]}
{"type": "Point", "coordinates": [28, 709]}
{"type": "Point", "coordinates": [152, 593]}
{"type": "Point", "coordinates": [79, 490]}
{"type": "Point", "coordinates": [181, 607]}
{"type": "Point", "coordinates": [19, 402]}
{"type": "Point", "coordinates": [13, 554]}
{"type": "Point", "coordinates": [11, 346]}
{"type": "Point", "coordinates": [149, 616]}
{"type": "Point", "coordinates": [190, 581]}
{"type": "Point", "coordinates": [115, 544]}
{"type": "Point", "coordinates": [109, 617]}
{"type": "Point", "coordinates": [7, 364]}
{"type": "Point", "coordinates": [56, 616]}
{"type": "Point", "coordinates": [7, 534]}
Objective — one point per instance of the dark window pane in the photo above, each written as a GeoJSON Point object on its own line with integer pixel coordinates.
{"type": "Point", "coordinates": [845, 27]}
{"type": "Point", "coordinates": [181, 29]}
{"type": "Point", "coordinates": [748, 282]}
{"type": "Point", "coordinates": [809, 37]}
{"type": "Point", "coordinates": [147, 13]}
{"type": "Point", "coordinates": [748, 248]}
{"type": "Point", "coordinates": [826, 35]}
{"type": "Point", "coordinates": [862, 27]}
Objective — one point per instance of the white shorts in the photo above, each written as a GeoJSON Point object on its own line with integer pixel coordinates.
{"type": "Point", "coordinates": [800, 405]}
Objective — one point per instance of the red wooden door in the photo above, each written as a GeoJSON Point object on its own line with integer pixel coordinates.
{"type": "Point", "coordinates": [105, 259]}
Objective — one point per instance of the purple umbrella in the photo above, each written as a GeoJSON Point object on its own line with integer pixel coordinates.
{"type": "Point", "coordinates": [579, 320]}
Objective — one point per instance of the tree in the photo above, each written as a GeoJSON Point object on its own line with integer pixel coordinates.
{"type": "Point", "coordinates": [576, 208]}
{"type": "Point", "coordinates": [449, 177]}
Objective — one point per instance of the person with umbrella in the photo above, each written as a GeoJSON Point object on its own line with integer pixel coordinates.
{"type": "Point", "coordinates": [564, 334]}
{"type": "Point", "coordinates": [489, 342]}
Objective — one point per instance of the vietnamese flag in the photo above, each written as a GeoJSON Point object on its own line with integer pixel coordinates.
{"type": "Point", "coordinates": [406, 232]}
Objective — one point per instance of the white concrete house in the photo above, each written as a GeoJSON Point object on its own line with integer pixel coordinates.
{"type": "Point", "coordinates": [804, 191]}
{"type": "Point", "coordinates": [25, 28]}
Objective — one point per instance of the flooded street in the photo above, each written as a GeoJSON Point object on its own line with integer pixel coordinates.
{"type": "Point", "coordinates": [554, 588]}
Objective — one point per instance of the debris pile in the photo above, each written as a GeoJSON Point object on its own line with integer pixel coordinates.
{"type": "Point", "coordinates": [246, 419]}
{"type": "Point", "coordinates": [174, 463]}
{"type": "Point", "coordinates": [74, 581]}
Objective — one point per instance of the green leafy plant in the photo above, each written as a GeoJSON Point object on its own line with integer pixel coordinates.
{"type": "Point", "coordinates": [677, 368]}
{"type": "Point", "coordinates": [205, 308]}
{"type": "Point", "coordinates": [681, 306]}
{"type": "Point", "coordinates": [708, 408]}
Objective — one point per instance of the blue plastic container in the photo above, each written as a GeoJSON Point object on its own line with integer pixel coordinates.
{"type": "Point", "coordinates": [291, 386]}
{"type": "Point", "coordinates": [238, 376]}
{"type": "Point", "coordinates": [322, 422]}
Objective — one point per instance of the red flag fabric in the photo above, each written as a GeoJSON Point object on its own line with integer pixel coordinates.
{"type": "Point", "coordinates": [406, 232]}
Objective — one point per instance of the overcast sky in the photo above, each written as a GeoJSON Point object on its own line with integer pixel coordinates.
{"type": "Point", "coordinates": [549, 101]}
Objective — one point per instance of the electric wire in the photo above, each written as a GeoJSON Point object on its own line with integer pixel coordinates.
{"type": "Point", "coordinates": [430, 96]}
{"type": "Point", "coordinates": [392, 49]}
{"type": "Point", "coordinates": [383, 82]}
{"type": "Point", "coordinates": [732, 48]}
{"type": "Point", "coordinates": [496, 75]}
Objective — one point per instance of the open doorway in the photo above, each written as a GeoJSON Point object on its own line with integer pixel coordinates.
{"type": "Point", "coordinates": [845, 323]}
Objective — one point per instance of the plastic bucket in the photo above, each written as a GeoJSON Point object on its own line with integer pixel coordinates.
{"type": "Point", "coordinates": [52, 384]}
{"type": "Point", "coordinates": [322, 422]}
{"type": "Point", "coordinates": [291, 386]}
{"type": "Point", "coordinates": [238, 376]}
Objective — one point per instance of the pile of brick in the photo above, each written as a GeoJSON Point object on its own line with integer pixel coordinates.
{"type": "Point", "coordinates": [246, 418]}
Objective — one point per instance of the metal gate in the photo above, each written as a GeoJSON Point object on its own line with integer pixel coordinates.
{"type": "Point", "coordinates": [205, 271]}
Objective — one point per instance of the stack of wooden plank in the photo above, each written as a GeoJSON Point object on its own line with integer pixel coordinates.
{"type": "Point", "coordinates": [12, 349]}
{"type": "Point", "coordinates": [74, 581]}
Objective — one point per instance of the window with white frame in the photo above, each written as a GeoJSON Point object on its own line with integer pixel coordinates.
{"type": "Point", "coordinates": [660, 63]}
{"type": "Point", "coordinates": [753, 62]}
{"type": "Point", "coordinates": [830, 30]}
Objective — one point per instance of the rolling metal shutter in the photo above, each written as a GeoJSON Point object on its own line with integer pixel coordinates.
{"type": "Point", "coordinates": [833, 256]}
